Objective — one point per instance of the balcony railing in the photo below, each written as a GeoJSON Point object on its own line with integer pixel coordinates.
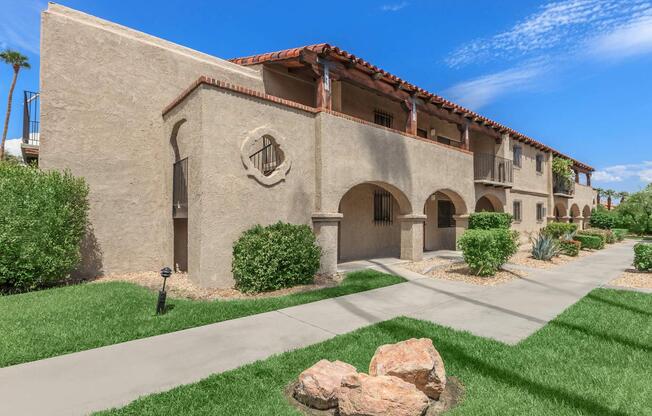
{"type": "Point", "coordinates": [31, 119]}
{"type": "Point", "coordinates": [493, 170]}
{"type": "Point", "coordinates": [562, 186]}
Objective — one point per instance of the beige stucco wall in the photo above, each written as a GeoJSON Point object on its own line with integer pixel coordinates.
{"type": "Point", "coordinates": [103, 87]}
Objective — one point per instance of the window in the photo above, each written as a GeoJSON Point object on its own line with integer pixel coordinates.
{"type": "Point", "coordinates": [540, 163]}
{"type": "Point", "coordinates": [518, 152]}
{"type": "Point", "coordinates": [450, 142]}
{"type": "Point", "coordinates": [445, 212]}
{"type": "Point", "coordinates": [541, 212]}
{"type": "Point", "coordinates": [383, 208]}
{"type": "Point", "coordinates": [383, 118]}
{"type": "Point", "coordinates": [422, 133]}
{"type": "Point", "coordinates": [267, 155]}
{"type": "Point", "coordinates": [516, 211]}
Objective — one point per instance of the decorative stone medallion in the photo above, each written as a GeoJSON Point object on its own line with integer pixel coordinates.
{"type": "Point", "coordinates": [265, 156]}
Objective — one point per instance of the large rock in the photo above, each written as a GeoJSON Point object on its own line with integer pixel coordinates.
{"type": "Point", "coordinates": [318, 385]}
{"type": "Point", "coordinates": [415, 361]}
{"type": "Point", "coordinates": [364, 395]}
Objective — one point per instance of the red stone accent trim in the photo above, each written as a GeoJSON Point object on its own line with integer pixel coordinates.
{"type": "Point", "coordinates": [204, 80]}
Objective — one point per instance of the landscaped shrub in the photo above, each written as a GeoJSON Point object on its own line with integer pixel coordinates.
{"type": "Point", "coordinates": [643, 257]}
{"type": "Point", "coordinates": [486, 250]}
{"type": "Point", "coordinates": [489, 220]}
{"type": "Point", "coordinates": [636, 212]}
{"type": "Point", "coordinates": [43, 217]}
{"type": "Point", "coordinates": [619, 233]}
{"type": "Point", "coordinates": [570, 247]}
{"type": "Point", "coordinates": [606, 235]}
{"type": "Point", "coordinates": [559, 229]}
{"type": "Point", "coordinates": [590, 241]}
{"type": "Point", "coordinates": [604, 219]}
{"type": "Point", "coordinates": [544, 247]}
{"type": "Point", "coordinates": [274, 257]}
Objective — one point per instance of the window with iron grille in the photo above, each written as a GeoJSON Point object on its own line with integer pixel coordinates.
{"type": "Point", "coordinates": [383, 118]}
{"type": "Point", "coordinates": [383, 207]}
{"type": "Point", "coordinates": [445, 212]}
{"type": "Point", "coordinates": [268, 157]}
{"type": "Point", "coordinates": [422, 133]}
{"type": "Point", "coordinates": [541, 212]}
{"type": "Point", "coordinates": [516, 210]}
{"type": "Point", "coordinates": [540, 163]}
{"type": "Point", "coordinates": [518, 153]}
{"type": "Point", "coordinates": [450, 142]}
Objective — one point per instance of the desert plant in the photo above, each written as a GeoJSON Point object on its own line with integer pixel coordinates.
{"type": "Point", "coordinates": [643, 257]}
{"type": "Point", "coordinates": [590, 241]}
{"type": "Point", "coordinates": [489, 220]}
{"type": "Point", "coordinates": [274, 257]}
{"type": "Point", "coordinates": [558, 229]}
{"type": "Point", "coordinates": [43, 218]}
{"type": "Point", "coordinates": [570, 247]}
{"type": "Point", "coordinates": [544, 247]}
{"type": "Point", "coordinates": [486, 250]}
{"type": "Point", "coordinates": [17, 61]}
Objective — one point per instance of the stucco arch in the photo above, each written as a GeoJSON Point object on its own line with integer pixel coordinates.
{"type": "Point", "coordinates": [443, 224]}
{"type": "Point", "coordinates": [586, 213]}
{"type": "Point", "coordinates": [404, 204]}
{"type": "Point", "coordinates": [574, 211]}
{"type": "Point", "coordinates": [488, 202]}
{"type": "Point", "coordinates": [561, 211]}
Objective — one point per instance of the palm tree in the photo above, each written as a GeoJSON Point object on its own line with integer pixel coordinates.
{"type": "Point", "coordinates": [17, 61]}
{"type": "Point", "coordinates": [599, 194]}
{"type": "Point", "coordinates": [622, 195]}
{"type": "Point", "coordinates": [610, 193]}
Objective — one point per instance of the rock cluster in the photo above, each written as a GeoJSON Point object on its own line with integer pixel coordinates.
{"type": "Point", "coordinates": [403, 379]}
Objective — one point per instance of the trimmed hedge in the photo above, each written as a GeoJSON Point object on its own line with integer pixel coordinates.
{"type": "Point", "coordinates": [643, 257]}
{"type": "Point", "coordinates": [619, 233]}
{"type": "Point", "coordinates": [43, 218]}
{"type": "Point", "coordinates": [486, 250]}
{"type": "Point", "coordinates": [489, 220]}
{"type": "Point", "coordinates": [559, 229]}
{"type": "Point", "coordinates": [570, 247]}
{"type": "Point", "coordinates": [603, 219]}
{"type": "Point", "coordinates": [606, 235]}
{"type": "Point", "coordinates": [590, 241]}
{"type": "Point", "coordinates": [274, 257]}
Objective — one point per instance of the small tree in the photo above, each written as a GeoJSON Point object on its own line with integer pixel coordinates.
{"type": "Point", "coordinates": [610, 193]}
{"type": "Point", "coordinates": [636, 212]}
{"type": "Point", "coordinates": [599, 193]}
{"type": "Point", "coordinates": [17, 62]}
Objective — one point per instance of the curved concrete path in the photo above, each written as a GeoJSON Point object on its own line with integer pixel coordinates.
{"type": "Point", "coordinates": [87, 381]}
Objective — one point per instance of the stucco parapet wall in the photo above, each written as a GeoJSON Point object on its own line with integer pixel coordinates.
{"type": "Point", "coordinates": [327, 217]}
{"type": "Point", "coordinates": [204, 80]}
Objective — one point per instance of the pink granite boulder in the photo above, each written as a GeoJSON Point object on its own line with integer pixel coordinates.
{"type": "Point", "coordinates": [318, 385]}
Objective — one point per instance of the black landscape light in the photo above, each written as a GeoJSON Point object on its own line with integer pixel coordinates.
{"type": "Point", "coordinates": [160, 305]}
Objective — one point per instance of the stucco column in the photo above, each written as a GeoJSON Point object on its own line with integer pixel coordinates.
{"type": "Point", "coordinates": [325, 225]}
{"type": "Point", "coordinates": [461, 224]}
{"type": "Point", "coordinates": [586, 222]}
{"type": "Point", "coordinates": [412, 236]}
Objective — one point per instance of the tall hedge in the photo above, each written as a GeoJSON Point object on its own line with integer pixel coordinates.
{"type": "Point", "coordinates": [274, 257]}
{"type": "Point", "coordinates": [43, 218]}
{"type": "Point", "coordinates": [489, 220]}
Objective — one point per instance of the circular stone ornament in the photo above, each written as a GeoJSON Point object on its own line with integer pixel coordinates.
{"type": "Point", "coordinates": [277, 138]}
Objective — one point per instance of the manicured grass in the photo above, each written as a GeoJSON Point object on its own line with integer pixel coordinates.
{"type": "Point", "coordinates": [594, 359]}
{"type": "Point", "coordinates": [58, 321]}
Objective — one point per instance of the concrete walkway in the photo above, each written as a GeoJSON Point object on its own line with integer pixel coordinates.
{"type": "Point", "coordinates": [87, 381]}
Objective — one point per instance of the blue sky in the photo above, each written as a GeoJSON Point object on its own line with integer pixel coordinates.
{"type": "Point", "coordinates": [574, 74]}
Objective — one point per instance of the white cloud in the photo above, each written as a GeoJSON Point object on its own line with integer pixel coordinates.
{"type": "Point", "coordinates": [394, 7]}
{"type": "Point", "coordinates": [619, 173]}
{"type": "Point", "coordinates": [563, 25]}
{"type": "Point", "coordinates": [19, 25]}
{"type": "Point", "coordinates": [483, 90]}
{"type": "Point", "coordinates": [12, 147]}
{"type": "Point", "coordinates": [634, 38]}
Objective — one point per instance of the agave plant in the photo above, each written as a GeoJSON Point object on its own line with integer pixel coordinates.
{"type": "Point", "coordinates": [569, 236]}
{"type": "Point", "coordinates": [544, 247]}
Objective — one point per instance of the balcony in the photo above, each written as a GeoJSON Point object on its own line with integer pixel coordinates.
{"type": "Point", "coordinates": [31, 127]}
{"type": "Point", "coordinates": [492, 170]}
{"type": "Point", "coordinates": [562, 187]}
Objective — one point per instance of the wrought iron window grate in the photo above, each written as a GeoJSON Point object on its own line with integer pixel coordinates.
{"type": "Point", "coordinates": [268, 158]}
{"type": "Point", "coordinates": [383, 118]}
{"type": "Point", "coordinates": [383, 208]}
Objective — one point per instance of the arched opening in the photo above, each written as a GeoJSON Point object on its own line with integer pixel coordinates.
{"type": "Point", "coordinates": [370, 226]}
{"type": "Point", "coordinates": [179, 201]}
{"type": "Point", "coordinates": [560, 212]}
{"type": "Point", "coordinates": [574, 214]}
{"type": "Point", "coordinates": [440, 229]}
{"type": "Point", "coordinates": [488, 203]}
{"type": "Point", "coordinates": [586, 213]}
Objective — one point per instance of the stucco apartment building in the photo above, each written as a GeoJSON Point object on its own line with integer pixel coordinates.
{"type": "Point", "coordinates": [184, 151]}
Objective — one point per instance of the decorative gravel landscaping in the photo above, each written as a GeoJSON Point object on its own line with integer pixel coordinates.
{"type": "Point", "coordinates": [524, 258]}
{"type": "Point", "coordinates": [593, 359]}
{"type": "Point", "coordinates": [461, 273]}
{"type": "Point", "coordinates": [57, 321]}
{"type": "Point", "coordinates": [632, 278]}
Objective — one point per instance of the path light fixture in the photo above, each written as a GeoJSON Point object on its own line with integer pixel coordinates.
{"type": "Point", "coordinates": [160, 305]}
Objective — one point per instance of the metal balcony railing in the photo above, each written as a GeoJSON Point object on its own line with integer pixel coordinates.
{"type": "Point", "coordinates": [31, 118]}
{"type": "Point", "coordinates": [493, 169]}
{"type": "Point", "coordinates": [562, 186]}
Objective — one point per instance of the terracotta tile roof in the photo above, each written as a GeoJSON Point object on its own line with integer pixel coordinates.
{"type": "Point", "coordinates": [326, 49]}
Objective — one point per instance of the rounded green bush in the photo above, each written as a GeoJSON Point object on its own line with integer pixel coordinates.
{"type": "Point", "coordinates": [559, 229]}
{"type": "Point", "coordinates": [274, 257]}
{"type": "Point", "coordinates": [643, 257]}
{"type": "Point", "coordinates": [486, 250]}
{"type": "Point", "coordinates": [619, 233]}
{"type": "Point", "coordinates": [43, 218]}
{"type": "Point", "coordinates": [590, 241]}
{"type": "Point", "coordinates": [570, 247]}
{"type": "Point", "coordinates": [606, 236]}
{"type": "Point", "coordinates": [489, 220]}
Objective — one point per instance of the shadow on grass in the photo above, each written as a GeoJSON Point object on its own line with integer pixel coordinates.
{"type": "Point", "coordinates": [598, 298]}
{"type": "Point", "coordinates": [606, 337]}
{"type": "Point", "coordinates": [504, 376]}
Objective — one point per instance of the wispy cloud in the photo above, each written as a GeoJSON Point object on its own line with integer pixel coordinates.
{"type": "Point", "coordinates": [563, 26]}
{"type": "Point", "coordinates": [480, 91]}
{"type": "Point", "coordinates": [19, 25]}
{"type": "Point", "coordinates": [633, 38]}
{"type": "Point", "coordinates": [619, 173]}
{"type": "Point", "coordinates": [394, 7]}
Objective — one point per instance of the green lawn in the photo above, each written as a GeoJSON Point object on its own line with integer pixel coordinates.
{"type": "Point", "coordinates": [58, 321]}
{"type": "Point", "coordinates": [594, 359]}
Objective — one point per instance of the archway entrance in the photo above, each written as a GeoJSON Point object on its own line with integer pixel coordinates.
{"type": "Point", "coordinates": [560, 212]}
{"type": "Point", "coordinates": [441, 229]}
{"type": "Point", "coordinates": [370, 227]}
{"type": "Point", "coordinates": [488, 203]}
{"type": "Point", "coordinates": [575, 214]}
{"type": "Point", "coordinates": [586, 213]}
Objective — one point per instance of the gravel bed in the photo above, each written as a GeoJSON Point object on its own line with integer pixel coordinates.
{"type": "Point", "coordinates": [634, 278]}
